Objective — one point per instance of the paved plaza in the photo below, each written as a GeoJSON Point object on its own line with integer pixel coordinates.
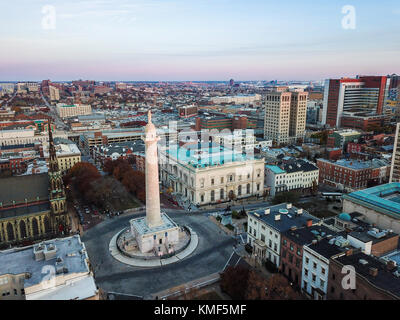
{"type": "Point", "coordinates": [213, 251]}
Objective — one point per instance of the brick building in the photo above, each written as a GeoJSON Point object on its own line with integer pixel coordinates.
{"type": "Point", "coordinates": [374, 280]}
{"type": "Point", "coordinates": [292, 245]}
{"type": "Point", "coordinates": [352, 174]}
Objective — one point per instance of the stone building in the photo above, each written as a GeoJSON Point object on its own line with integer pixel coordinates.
{"type": "Point", "coordinates": [33, 207]}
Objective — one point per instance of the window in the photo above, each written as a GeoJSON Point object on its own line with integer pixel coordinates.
{"type": "Point", "coordinates": [305, 284]}
{"type": "Point", "coordinates": [212, 181]}
{"type": "Point", "coordinates": [212, 195]}
{"type": "Point", "coordinates": [262, 238]}
{"type": "Point", "coordinates": [270, 243]}
{"type": "Point", "coordinates": [202, 198]}
{"type": "Point", "coordinates": [284, 242]}
{"type": "Point", "coordinates": [315, 265]}
{"type": "Point", "coordinates": [291, 247]}
{"type": "Point", "coordinates": [314, 277]}
{"type": "Point", "coordinates": [332, 289]}
{"type": "Point", "coordinates": [221, 194]}
{"type": "Point", "coordinates": [322, 283]}
{"type": "Point", "coordinates": [323, 270]}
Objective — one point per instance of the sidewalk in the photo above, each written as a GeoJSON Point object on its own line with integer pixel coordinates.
{"type": "Point", "coordinates": [176, 292]}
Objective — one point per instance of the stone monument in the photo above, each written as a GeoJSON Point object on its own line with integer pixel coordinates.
{"type": "Point", "coordinates": [156, 232]}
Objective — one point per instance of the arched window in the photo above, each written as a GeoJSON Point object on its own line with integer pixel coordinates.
{"type": "Point", "coordinates": [35, 227]}
{"type": "Point", "coordinates": [10, 232]}
{"type": "Point", "coordinates": [22, 229]}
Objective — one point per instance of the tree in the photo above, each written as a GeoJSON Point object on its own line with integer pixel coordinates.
{"type": "Point", "coordinates": [290, 197]}
{"type": "Point", "coordinates": [81, 176]}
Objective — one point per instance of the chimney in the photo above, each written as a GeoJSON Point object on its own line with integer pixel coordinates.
{"type": "Point", "coordinates": [373, 271]}
{"type": "Point", "coordinates": [309, 223]}
{"type": "Point", "coordinates": [288, 206]}
{"type": "Point", "coordinates": [277, 217]}
{"type": "Point", "coordinates": [299, 211]}
{"type": "Point", "coordinates": [267, 211]}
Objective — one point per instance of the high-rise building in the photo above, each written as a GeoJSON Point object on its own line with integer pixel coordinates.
{"type": "Point", "coordinates": [395, 169]}
{"type": "Point", "coordinates": [277, 116]}
{"type": "Point", "coordinates": [285, 116]}
{"type": "Point", "coordinates": [349, 96]}
{"type": "Point", "coordinates": [54, 93]}
{"type": "Point", "coordinates": [298, 112]}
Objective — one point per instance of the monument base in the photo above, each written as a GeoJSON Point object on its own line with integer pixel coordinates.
{"type": "Point", "coordinates": [160, 239]}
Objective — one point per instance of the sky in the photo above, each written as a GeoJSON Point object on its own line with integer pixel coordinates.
{"type": "Point", "coordinates": [161, 40]}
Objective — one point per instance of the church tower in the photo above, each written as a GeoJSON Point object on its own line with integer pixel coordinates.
{"type": "Point", "coordinates": [59, 213]}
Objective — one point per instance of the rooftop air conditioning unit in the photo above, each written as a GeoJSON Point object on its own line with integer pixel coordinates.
{"type": "Point", "coordinates": [288, 206]}
{"type": "Point", "coordinates": [277, 217]}
{"type": "Point", "coordinates": [267, 211]}
{"type": "Point", "coordinates": [299, 211]}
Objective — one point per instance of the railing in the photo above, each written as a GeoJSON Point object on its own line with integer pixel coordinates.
{"type": "Point", "coordinates": [165, 256]}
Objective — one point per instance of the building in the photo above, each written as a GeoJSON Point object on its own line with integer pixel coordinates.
{"type": "Point", "coordinates": [362, 94]}
{"type": "Point", "coordinates": [26, 136]}
{"type": "Point", "coordinates": [54, 93]}
{"type": "Point", "coordinates": [395, 169]}
{"type": "Point", "coordinates": [68, 154]}
{"type": "Point", "coordinates": [298, 114]}
{"type": "Point", "coordinates": [379, 205]}
{"type": "Point", "coordinates": [294, 175]}
{"type": "Point", "coordinates": [340, 138]}
{"type": "Point", "coordinates": [352, 174]}
{"type": "Point", "coordinates": [293, 241]}
{"type": "Point", "coordinates": [374, 279]}
{"type": "Point", "coordinates": [316, 258]}
{"type": "Point", "coordinates": [365, 122]}
{"type": "Point", "coordinates": [64, 260]}
{"type": "Point", "coordinates": [277, 116]}
{"type": "Point", "coordinates": [134, 150]}
{"type": "Point", "coordinates": [33, 207]}
{"type": "Point", "coordinates": [221, 123]}
{"type": "Point", "coordinates": [265, 229]}
{"type": "Point", "coordinates": [68, 111]}
{"type": "Point", "coordinates": [285, 116]}
{"type": "Point", "coordinates": [207, 173]}
{"type": "Point", "coordinates": [187, 111]}
{"type": "Point", "coordinates": [90, 139]}
{"type": "Point", "coordinates": [238, 99]}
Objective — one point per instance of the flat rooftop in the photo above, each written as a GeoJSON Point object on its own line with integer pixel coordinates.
{"type": "Point", "coordinates": [206, 156]}
{"type": "Point", "coordinates": [384, 198]}
{"type": "Point", "coordinates": [22, 260]}
{"type": "Point", "coordinates": [288, 217]}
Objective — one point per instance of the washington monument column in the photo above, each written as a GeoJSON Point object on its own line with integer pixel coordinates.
{"type": "Point", "coordinates": [153, 215]}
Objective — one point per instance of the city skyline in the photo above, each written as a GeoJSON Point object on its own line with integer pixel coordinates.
{"type": "Point", "coordinates": [196, 41]}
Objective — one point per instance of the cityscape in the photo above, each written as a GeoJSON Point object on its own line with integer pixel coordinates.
{"type": "Point", "coordinates": [199, 172]}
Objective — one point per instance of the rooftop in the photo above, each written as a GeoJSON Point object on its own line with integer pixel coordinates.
{"type": "Point", "coordinates": [288, 217]}
{"type": "Point", "coordinates": [19, 188]}
{"type": "Point", "coordinates": [22, 260]}
{"type": "Point", "coordinates": [385, 279]}
{"type": "Point", "coordinates": [275, 169]}
{"type": "Point", "coordinates": [384, 198]}
{"type": "Point", "coordinates": [206, 155]}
